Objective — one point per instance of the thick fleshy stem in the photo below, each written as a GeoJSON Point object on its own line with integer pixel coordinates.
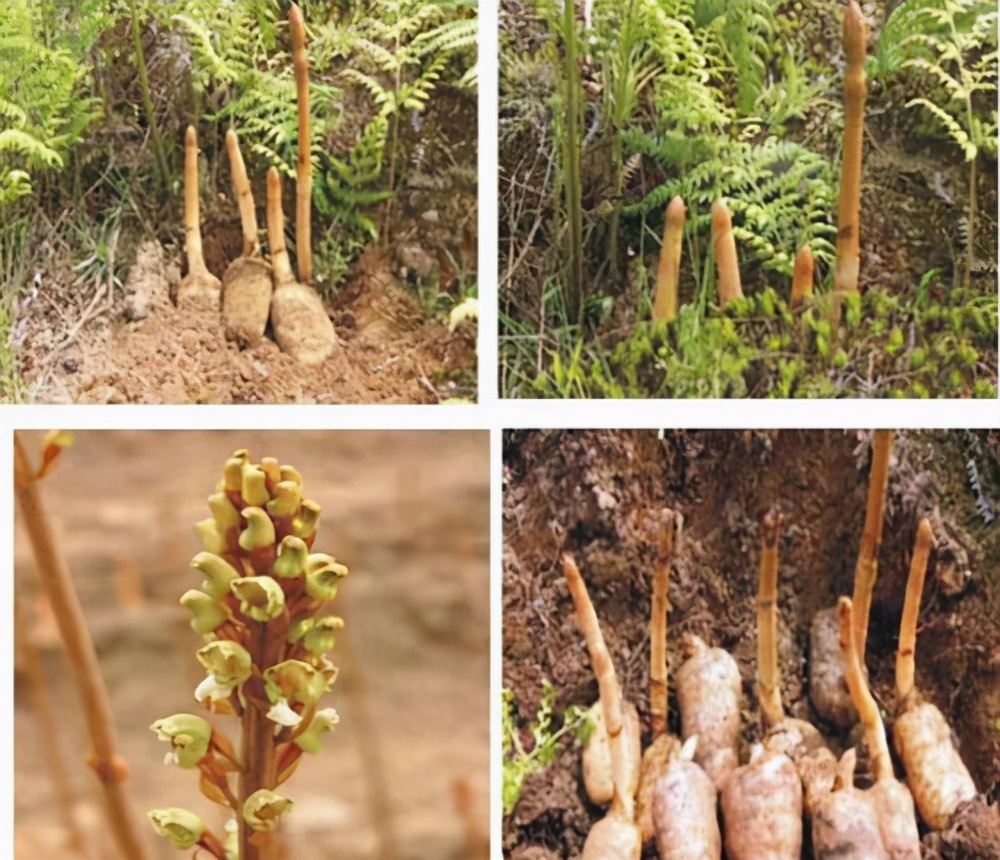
{"type": "Point", "coordinates": [669, 531]}
{"type": "Point", "coordinates": [905, 657]}
{"type": "Point", "coordinates": [109, 766]}
{"type": "Point", "coordinates": [768, 680]}
{"type": "Point", "coordinates": [303, 169]}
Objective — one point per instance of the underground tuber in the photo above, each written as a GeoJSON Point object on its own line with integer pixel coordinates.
{"type": "Point", "coordinates": [879, 821]}
{"type": "Point", "coordinates": [683, 810]}
{"type": "Point", "coordinates": [940, 782]}
{"type": "Point", "coordinates": [616, 836]}
{"type": "Point", "coordinates": [709, 698]}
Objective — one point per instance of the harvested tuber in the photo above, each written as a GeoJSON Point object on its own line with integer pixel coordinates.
{"type": "Point", "coordinates": [246, 284]}
{"type": "Point", "coordinates": [300, 322]}
{"type": "Point", "coordinates": [797, 739]}
{"type": "Point", "coordinates": [684, 810]}
{"type": "Point", "coordinates": [199, 288]}
{"type": "Point", "coordinates": [616, 836]}
{"type": "Point", "coordinates": [598, 779]}
{"type": "Point", "coordinates": [762, 808]}
{"type": "Point", "coordinates": [940, 782]}
{"type": "Point", "coordinates": [842, 826]}
{"type": "Point", "coordinates": [709, 696]}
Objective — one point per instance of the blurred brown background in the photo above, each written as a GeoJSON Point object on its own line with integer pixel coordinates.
{"type": "Point", "coordinates": [408, 512]}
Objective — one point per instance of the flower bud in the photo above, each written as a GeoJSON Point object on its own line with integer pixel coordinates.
{"type": "Point", "coordinates": [181, 827]}
{"type": "Point", "coordinates": [290, 473]}
{"type": "Point", "coordinates": [207, 614]}
{"type": "Point", "coordinates": [291, 561]}
{"type": "Point", "coordinates": [217, 571]}
{"type": "Point", "coordinates": [210, 536]}
{"type": "Point", "coordinates": [254, 486]}
{"type": "Point", "coordinates": [305, 524]}
{"type": "Point", "coordinates": [261, 598]}
{"type": "Point", "coordinates": [323, 721]}
{"type": "Point", "coordinates": [287, 497]}
{"type": "Point", "coordinates": [189, 738]}
{"type": "Point", "coordinates": [272, 468]}
{"type": "Point", "coordinates": [259, 532]}
{"type": "Point", "coordinates": [223, 512]}
{"type": "Point", "coordinates": [323, 575]}
{"type": "Point", "coordinates": [263, 809]}
{"type": "Point", "coordinates": [232, 472]}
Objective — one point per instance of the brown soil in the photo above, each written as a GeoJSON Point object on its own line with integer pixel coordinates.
{"type": "Point", "coordinates": [595, 493]}
{"type": "Point", "coordinates": [139, 348]}
{"type": "Point", "coordinates": [407, 512]}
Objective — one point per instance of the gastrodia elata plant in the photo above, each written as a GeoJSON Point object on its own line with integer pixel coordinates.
{"type": "Point", "coordinates": [261, 612]}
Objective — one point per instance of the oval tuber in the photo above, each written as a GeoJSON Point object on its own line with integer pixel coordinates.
{"type": "Point", "coordinates": [684, 810]}
{"type": "Point", "coordinates": [709, 696]}
{"type": "Point", "coordinates": [598, 779]}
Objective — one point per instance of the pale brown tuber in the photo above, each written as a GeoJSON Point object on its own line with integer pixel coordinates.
{"type": "Point", "coordinates": [939, 780]}
{"type": "Point", "coordinates": [827, 685]}
{"type": "Point", "coordinates": [246, 284]}
{"type": "Point", "coordinates": [301, 325]}
{"type": "Point", "coordinates": [199, 288]}
{"type": "Point", "coordinates": [684, 810]}
{"type": "Point", "coordinates": [762, 809]}
{"type": "Point", "coordinates": [598, 778]}
{"type": "Point", "coordinates": [842, 827]}
{"type": "Point", "coordinates": [668, 269]}
{"type": "Point", "coordinates": [727, 267]}
{"type": "Point", "coordinates": [616, 835]}
{"type": "Point", "coordinates": [709, 696]}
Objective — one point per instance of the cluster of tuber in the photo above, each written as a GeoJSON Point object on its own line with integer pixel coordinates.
{"type": "Point", "coordinates": [680, 789]}
{"type": "Point", "coordinates": [728, 285]}
{"type": "Point", "coordinates": [260, 611]}
{"type": "Point", "coordinates": [248, 300]}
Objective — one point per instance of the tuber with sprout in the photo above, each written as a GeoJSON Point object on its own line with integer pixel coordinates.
{"type": "Point", "coordinates": [849, 822]}
{"type": "Point", "coordinates": [616, 836]}
{"type": "Point", "coordinates": [683, 810]}
{"type": "Point", "coordinates": [668, 269]}
{"type": "Point", "coordinates": [709, 696]}
{"type": "Point", "coordinates": [855, 90]}
{"type": "Point", "coordinates": [199, 288]}
{"type": "Point", "coordinates": [827, 685]}
{"type": "Point", "coordinates": [797, 739]}
{"type": "Point", "coordinates": [246, 284]}
{"type": "Point", "coordinates": [727, 267]}
{"type": "Point", "coordinates": [940, 782]}
{"type": "Point", "coordinates": [300, 322]}
{"type": "Point", "coordinates": [664, 747]}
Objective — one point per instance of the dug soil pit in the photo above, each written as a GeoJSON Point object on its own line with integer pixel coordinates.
{"type": "Point", "coordinates": [595, 494]}
{"type": "Point", "coordinates": [408, 513]}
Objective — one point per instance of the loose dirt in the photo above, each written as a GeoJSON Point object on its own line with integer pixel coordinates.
{"type": "Point", "coordinates": [595, 493]}
{"type": "Point", "coordinates": [407, 512]}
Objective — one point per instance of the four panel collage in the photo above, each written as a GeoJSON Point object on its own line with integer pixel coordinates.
{"type": "Point", "coordinates": [383, 386]}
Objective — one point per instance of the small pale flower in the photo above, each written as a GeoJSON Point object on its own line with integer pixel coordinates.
{"type": "Point", "coordinates": [254, 486]}
{"type": "Point", "coordinates": [291, 560]}
{"type": "Point", "coordinates": [318, 639]}
{"type": "Point", "coordinates": [189, 738]}
{"type": "Point", "coordinates": [307, 521]}
{"type": "Point", "coordinates": [259, 532]}
{"type": "Point", "coordinates": [281, 713]}
{"type": "Point", "coordinates": [263, 809]}
{"type": "Point", "coordinates": [210, 690]}
{"type": "Point", "coordinates": [323, 575]}
{"type": "Point", "coordinates": [206, 613]}
{"type": "Point", "coordinates": [211, 539]}
{"type": "Point", "coordinates": [217, 571]}
{"type": "Point", "coordinates": [182, 828]}
{"type": "Point", "coordinates": [261, 598]}
{"type": "Point", "coordinates": [295, 681]}
{"type": "Point", "coordinates": [229, 662]}
{"type": "Point", "coordinates": [223, 512]}
{"type": "Point", "coordinates": [324, 721]}
{"type": "Point", "coordinates": [232, 840]}
{"type": "Point", "coordinates": [287, 497]}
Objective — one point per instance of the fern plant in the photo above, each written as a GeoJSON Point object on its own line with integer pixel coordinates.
{"type": "Point", "coordinates": [953, 43]}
